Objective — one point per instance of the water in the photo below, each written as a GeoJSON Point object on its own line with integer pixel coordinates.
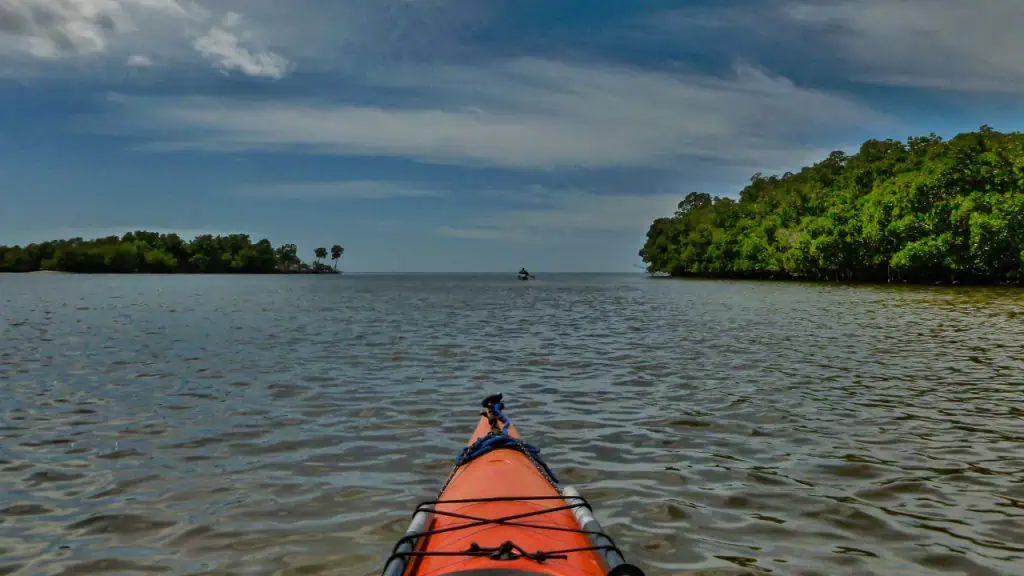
{"type": "Point", "coordinates": [288, 425]}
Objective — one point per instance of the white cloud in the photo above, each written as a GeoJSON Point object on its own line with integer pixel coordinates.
{"type": "Point", "coordinates": [969, 45]}
{"type": "Point", "coordinates": [529, 114]}
{"type": "Point", "coordinates": [139, 61]}
{"type": "Point", "coordinates": [52, 30]}
{"type": "Point", "coordinates": [568, 213]}
{"type": "Point", "coordinates": [222, 46]}
{"type": "Point", "coordinates": [342, 189]}
{"type": "Point", "coordinates": [235, 35]}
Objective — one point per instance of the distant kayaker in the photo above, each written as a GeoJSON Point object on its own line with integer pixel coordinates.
{"type": "Point", "coordinates": [523, 272]}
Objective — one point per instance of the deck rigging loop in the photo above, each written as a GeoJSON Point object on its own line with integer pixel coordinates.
{"type": "Point", "coordinates": [500, 438]}
{"type": "Point", "coordinates": [508, 550]}
{"type": "Point", "coordinates": [568, 499]}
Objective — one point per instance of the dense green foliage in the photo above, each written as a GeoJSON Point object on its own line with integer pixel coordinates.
{"type": "Point", "coordinates": [926, 210]}
{"type": "Point", "coordinates": [142, 251]}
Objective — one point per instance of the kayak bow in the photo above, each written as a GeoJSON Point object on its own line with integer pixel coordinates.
{"type": "Point", "coordinates": [501, 512]}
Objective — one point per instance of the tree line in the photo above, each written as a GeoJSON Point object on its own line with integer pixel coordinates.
{"type": "Point", "coordinates": [924, 211]}
{"type": "Point", "coordinates": [150, 252]}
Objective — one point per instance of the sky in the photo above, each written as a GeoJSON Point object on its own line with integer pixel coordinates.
{"type": "Point", "coordinates": [463, 135]}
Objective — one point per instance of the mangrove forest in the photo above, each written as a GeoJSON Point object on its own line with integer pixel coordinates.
{"type": "Point", "coordinates": [924, 211]}
{"type": "Point", "coordinates": [150, 252]}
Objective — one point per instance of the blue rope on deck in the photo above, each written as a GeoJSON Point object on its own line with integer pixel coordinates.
{"type": "Point", "coordinates": [501, 439]}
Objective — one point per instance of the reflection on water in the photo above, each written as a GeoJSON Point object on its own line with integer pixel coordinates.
{"type": "Point", "coordinates": [258, 425]}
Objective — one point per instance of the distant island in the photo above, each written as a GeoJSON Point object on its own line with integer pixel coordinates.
{"type": "Point", "coordinates": [924, 211]}
{"type": "Point", "coordinates": [150, 252]}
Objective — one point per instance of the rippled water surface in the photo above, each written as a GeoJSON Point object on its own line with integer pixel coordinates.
{"type": "Point", "coordinates": [288, 425]}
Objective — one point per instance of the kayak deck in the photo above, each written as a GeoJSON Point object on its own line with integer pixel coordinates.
{"type": "Point", "coordinates": [481, 493]}
{"type": "Point", "coordinates": [501, 513]}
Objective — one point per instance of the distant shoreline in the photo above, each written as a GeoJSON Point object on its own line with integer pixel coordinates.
{"type": "Point", "coordinates": [111, 273]}
{"type": "Point", "coordinates": [839, 282]}
{"type": "Point", "coordinates": [142, 252]}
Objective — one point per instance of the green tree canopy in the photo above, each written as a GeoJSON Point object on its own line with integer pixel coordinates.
{"type": "Point", "coordinates": [336, 253]}
{"type": "Point", "coordinates": [926, 210]}
{"type": "Point", "coordinates": [142, 251]}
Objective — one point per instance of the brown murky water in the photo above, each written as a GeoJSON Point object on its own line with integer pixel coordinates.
{"type": "Point", "coordinates": [273, 425]}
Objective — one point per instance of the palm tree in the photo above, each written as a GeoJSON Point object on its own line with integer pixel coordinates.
{"type": "Point", "coordinates": [336, 252]}
{"type": "Point", "coordinates": [320, 253]}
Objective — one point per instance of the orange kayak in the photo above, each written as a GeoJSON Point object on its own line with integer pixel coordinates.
{"type": "Point", "coordinates": [502, 513]}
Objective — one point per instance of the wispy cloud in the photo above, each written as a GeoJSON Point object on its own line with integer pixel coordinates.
{"type": "Point", "coordinates": [567, 213]}
{"type": "Point", "coordinates": [342, 189]}
{"type": "Point", "coordinates": [54, 30]}
{"type": "Point", "coordinates": [529, 195]}
{"type": "Point", "coordinates": [58, 28]}
{"type": "Point", "coordinates": [222, 46]}
{"type": "Point", "coordinates": [961, 45]}
{"type": "Point", "coordinates": [139, 61]}
{"type": "Point", "coordinates": [535, 114]}
{"type": "Point", "coordinates": [475, 233]}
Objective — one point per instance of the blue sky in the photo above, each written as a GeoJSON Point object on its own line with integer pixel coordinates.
{"type": "Point", "coordinates": [463, 135]}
